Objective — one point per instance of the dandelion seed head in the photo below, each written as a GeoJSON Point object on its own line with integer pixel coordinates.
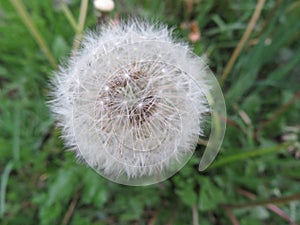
{"type": "Point", "coordinates": [104, 5]}
{"type": "Point", "coordinates": [130, 102]}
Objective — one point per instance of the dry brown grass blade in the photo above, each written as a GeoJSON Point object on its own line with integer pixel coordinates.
{"type": "Point", "coordinates": [71, 208]}
{"type": "Point", "coordinates": [243, 40]}
{"type": "Point", "coordinates": [26, 19]}
{"type": "Point", "coordinates": [232, 217]}
{"type": "Point", "coordinates": [278, 200]}
{"type": "Point", "coordinates": [271, 207]}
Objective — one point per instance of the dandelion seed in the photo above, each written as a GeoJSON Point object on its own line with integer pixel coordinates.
{"type": "Point", "coordinates": [137, 119]}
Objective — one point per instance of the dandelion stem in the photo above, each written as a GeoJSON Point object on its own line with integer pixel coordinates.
{"type": "Point", "coordinates": [243, 40]}
{"type": "Point", "coordinates": [81, 21]}
{"type": "Point", "coordinates": [195, 215]}
{"type": "Point", "coordinates": [21, 10]}
{"type": "Point", "coordinates": [82, 15]}
{"type": "Point", "coordinates": [4, 179]}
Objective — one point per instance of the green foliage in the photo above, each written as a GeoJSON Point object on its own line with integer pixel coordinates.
{"type": "Point", "coordinates": [210, 195]}
{"type": "Point", "coordinates": [42, 184]}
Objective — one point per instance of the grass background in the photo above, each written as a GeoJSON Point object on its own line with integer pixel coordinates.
{"type": "Point", "coordinates": [256, 177]}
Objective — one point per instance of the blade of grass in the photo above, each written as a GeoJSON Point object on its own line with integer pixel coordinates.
{"type": "Point", "coordinates": [245, 155]}
{"type": "Point", "coordinates": [4, 179]}
{"type": "Point", "coordinates": [16, 136]}
{"type": "Point", "coordinates": [277, 76]}
{"type": "Point", "coordinates": [250, 66]}
{"type": "Point", "coordinates": [239, 47]}
{"type": "Point", "coordinates": [279, 111]}
{"type": "Point", "coordinates": [279, 200]}
{"type": "Point", "coordinates": [70, 17]}
{"type": "Point", "coordinates": [22, 12]}
{"type": "Point", "coordinates": [271, 14]}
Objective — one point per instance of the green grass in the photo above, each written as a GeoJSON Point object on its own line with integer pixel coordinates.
{"type": "Point", "coordinates": [41, 183]}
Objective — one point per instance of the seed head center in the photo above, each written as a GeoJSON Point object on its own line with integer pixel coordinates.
{"type": "Point", "coordinates": [127, 95]}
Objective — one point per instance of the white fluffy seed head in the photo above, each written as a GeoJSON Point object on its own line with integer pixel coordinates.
{"type": "Point", "coordinates": [130, 102]}
{"type": "Point", "coordinates": [104, 5]}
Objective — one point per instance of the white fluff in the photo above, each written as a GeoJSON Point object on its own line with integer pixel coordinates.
{"type": "Point", "coordinates": [104, 5]}
{"type": "Point", "coordinates": [130, 101]}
